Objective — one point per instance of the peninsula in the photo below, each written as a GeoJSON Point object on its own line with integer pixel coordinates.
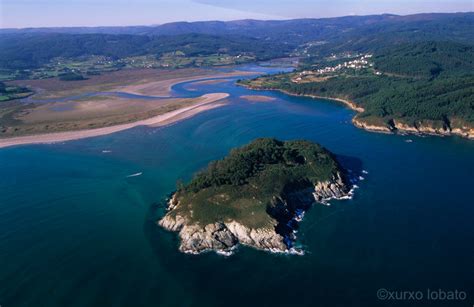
{"type": "Point", "coordinates": [420, 88]}
{"type": "Point", "coordinates": [254, 197]}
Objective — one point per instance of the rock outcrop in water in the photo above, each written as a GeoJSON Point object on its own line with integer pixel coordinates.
{"type": "Point", "coordinates": [225, 236]}
{"type": "Point", "coordinates": [331, 189]}
{"type": "Point", "coordinates": [221, 217]}
{"type": "Point", "coordinates": [438, 128]}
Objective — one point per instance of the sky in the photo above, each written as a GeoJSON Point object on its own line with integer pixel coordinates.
{"type": "Point", "coordinates": [55, 13]}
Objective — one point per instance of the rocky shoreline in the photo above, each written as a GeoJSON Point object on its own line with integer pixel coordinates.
{"type": "Point", "coordinates": [224, 236]}
{"type": "Point", "coordinates": [396, 127]}
{"type": "Point", "coordinates": [417, 129]}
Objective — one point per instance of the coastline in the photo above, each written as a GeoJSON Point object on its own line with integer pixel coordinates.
{"type": "Point", "coordinates": [419, 130]}
{"type": "Point", "coordinates": [398, 127]}
{"type": "Point", "coordinates": [163, 88]}
{"type": "Point", "coordinates": [224, 237]}
{"type": "Point", "coordinates": [209, 102]}
{"type": "Point", "coordinates": [347, 103]}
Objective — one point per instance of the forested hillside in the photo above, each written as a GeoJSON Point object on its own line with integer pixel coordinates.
{"type": "Point", "coordinates": [426, 60]}
{"type": "Point", "coordinates": [298, 31]}
{"type": "Point", "coordinates": [414, 85]}
{"type": "Point", "coordinates": [26, 51]}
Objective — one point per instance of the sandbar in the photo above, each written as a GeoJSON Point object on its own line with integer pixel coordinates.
{"type": "Point", "coordinates": [163, 87]}
{"type": "Point", "coordinates": [257, 98]}
{"type": "Point", "coordinates": [206, 102]}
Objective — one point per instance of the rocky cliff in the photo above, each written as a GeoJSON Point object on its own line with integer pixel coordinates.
{"type": "Point", "coordinates": [224, 236]}
{"type": "Point", "coordinates": [419, 127]}
{"type": "Point", "coordinates": [331, 189]}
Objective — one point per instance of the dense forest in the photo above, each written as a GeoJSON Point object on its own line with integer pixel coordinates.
{"type": "Point", "coordinates": [426, 60]}
{"type": "Point", "coordinates": [264, 157]}
{"type": "Point", "coordinates": [244, 185]}
{"type": "Point", "coordinates": [431, 81]}
{"type": "Point", "coordinates": [399, 30]}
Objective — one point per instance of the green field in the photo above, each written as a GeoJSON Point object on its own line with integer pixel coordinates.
{"type": "Point", "coordinates": [13, 92]}
{"type": "Point", "coordinates": [95, 65]}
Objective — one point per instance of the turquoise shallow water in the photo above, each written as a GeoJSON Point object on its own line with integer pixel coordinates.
{"type": "Point", "coordinates": [76, 231]}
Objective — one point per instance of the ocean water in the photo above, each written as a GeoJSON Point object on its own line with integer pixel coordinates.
{"type": "Point", "coordinates": [76, 230]}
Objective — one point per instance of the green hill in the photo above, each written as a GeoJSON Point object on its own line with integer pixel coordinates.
{"type": "Point", "coordinates": [258, 188]}
{"type": "Point", "coordinates": [27, 51]}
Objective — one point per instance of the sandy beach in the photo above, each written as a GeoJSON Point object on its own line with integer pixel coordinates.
{"type": "Point", "coordinates": [257, 98]}
{"type": "Point", "coordinates": [163, 87]}
{"type": "Point", "coordinates": [209, 101]}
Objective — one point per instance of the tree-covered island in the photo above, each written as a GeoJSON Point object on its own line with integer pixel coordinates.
{"type": "Point", "coordinates": [254, 196]}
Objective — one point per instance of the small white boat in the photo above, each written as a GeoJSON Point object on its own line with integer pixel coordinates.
{"type": "Point", "coordinates": [134, 175]}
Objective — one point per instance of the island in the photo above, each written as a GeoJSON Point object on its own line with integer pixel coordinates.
{"type": "Point", "coordinates": [255, 197]}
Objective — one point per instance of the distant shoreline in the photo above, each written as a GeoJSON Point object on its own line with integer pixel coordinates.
{"type": "Point", "coordinates": [209, 102]}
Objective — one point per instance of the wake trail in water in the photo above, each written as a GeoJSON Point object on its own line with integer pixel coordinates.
{"type": "Point", "coordinates": [135, 175]}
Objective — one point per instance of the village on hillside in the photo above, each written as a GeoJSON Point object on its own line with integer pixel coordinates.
{"type": "Point", "coordinates": [360, 62]}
